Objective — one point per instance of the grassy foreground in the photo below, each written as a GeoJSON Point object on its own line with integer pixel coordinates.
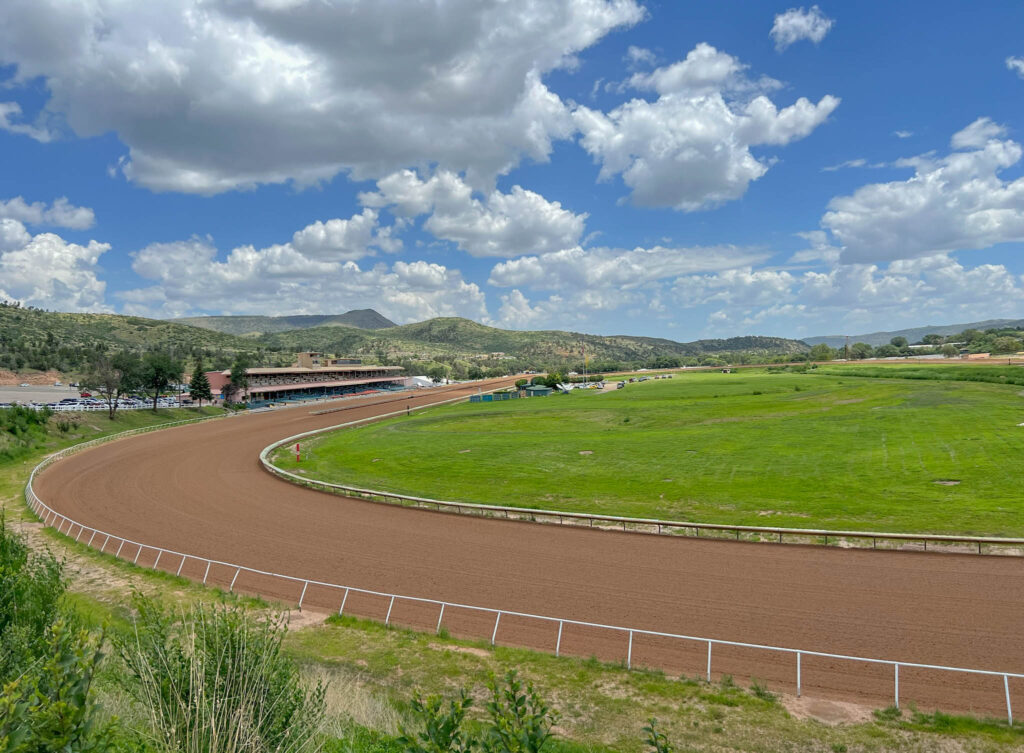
{"type": "Point", "coordinates": [757, 448]}
{"type": "Point", "coordinates": [373, 672]}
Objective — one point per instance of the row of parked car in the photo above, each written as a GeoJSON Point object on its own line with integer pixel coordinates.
{"type": "Point", "coordinates": [133, 402]}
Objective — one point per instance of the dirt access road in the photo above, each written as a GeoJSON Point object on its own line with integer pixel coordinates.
{"type": "Point", "coordinates": [199, 489]}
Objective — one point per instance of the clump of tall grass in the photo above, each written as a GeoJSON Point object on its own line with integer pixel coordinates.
{"type": "Point", "coordinates": [216, 681]}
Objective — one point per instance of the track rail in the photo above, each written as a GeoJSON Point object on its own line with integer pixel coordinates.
{"type": "Point", "coordinates": [68, 526]}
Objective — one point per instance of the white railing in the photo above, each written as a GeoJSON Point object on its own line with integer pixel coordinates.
{"type": "Point", "coordinates": [819, 536]}
{"type": "Point", "coordinates": [51, 517]}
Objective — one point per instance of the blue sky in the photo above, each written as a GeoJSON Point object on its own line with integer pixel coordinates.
{"type": "Point", "coordinates": [670, 169]}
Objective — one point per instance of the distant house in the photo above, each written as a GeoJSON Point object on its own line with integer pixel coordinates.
{"type": "Point", "coordinates": [727, 370]}
{"type": "Point", "coordinates": [538, 390]}
{"type": "Point", "coordinates": [976, 356]}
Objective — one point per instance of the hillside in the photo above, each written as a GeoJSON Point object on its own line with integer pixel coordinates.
{"type": "Point", "coordinates": [260, 325]}
{"type": "Point", "coordinates": [455, 336]}
{"type": "Point", "coordinates": [35, 339]}
{"type": "Point", "coordinates": [913, 334]}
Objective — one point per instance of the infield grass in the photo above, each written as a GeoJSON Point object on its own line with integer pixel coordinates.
{"type": "Point", "coordinates": [773, 448]}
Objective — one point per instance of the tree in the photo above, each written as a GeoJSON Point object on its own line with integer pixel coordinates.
{"type": "Point", "coordinates": [1006, 345]}
{"type": "Point", "coordinates": [438, 372]}
{"type": "Point", "coordinates": [113, 377]}
{"type": "Point", "coordinates": [886, 351]}
{"type": "Point", "coordinates": [933, 339]}
{"type": "Point", "coordinates": [159, 370]}
{"type": "Point", "coordinates": [239, 377]}
{"type": "Point", "coordinates": [199, 387]}
{"type": "Point", "coordinates": [861, 350]}
{"type": "Point", "coordinates": [898, 342]}
{"type": "Point", "coordinates": [950, 351]}
{"type": "Point", "coordinates": [821, 352]}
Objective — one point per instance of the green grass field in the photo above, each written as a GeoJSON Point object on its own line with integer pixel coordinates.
{"type": "Point", "coordinates": [758, 448]}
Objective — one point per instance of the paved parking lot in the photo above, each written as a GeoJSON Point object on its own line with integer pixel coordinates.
{"type": "Point", "coordinates": [36, 393]}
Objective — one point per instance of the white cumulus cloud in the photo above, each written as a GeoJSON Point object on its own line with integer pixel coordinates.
{"type": "Point", "coordinates": [690, 149]}
{"type": "Point", "coordinates": [500, 224]}
{"type": "Point", "coordinates": [799, 23]}
{"type": "Point", "coordinates": [61, 213]}
{"type": "Point", "coordinates": [956, 202]}
{"type": "Point", "coordinates": [1016, 65]}
{"type": "Point", "coordinates": [48, 272]}
{"type": "Point", "coordinates": [212, 95]}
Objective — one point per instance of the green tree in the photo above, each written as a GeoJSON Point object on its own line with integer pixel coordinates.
{"type": "Point", "coordinates": [1006, 345]}
{"type": "Point", "coordinates": [821, 352]}
{"type": "Point", "coordinates": [898, 342]}
{"type": "Point", "coordinates": [113, 378]}
{"type": "Point", "coordinates": [950, 351]}
{"type": "Point", "coordinates": [933, 339]}
{"type": "Point", "coordinates": [861, 350]}
{"type": "Point", "coordinates": [239, 376]}
{"type": "Point", "coordinates": [438, 372]}
{"type": "Point", "coordinates": [886, 351]}
{"type": "Point", "coordinates": [199, 386]}
{"type": "Point", "coordinates": [159, 370]}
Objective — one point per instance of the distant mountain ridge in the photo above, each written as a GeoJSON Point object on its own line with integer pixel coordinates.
{"type": "Point", "coordinates": [262, 325]}
{"type": "Point", "coordinates": [913, 334]}
{"type": "Point", "coordinates": [454, 335]}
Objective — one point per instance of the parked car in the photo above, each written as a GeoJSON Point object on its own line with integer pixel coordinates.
{"type": "Point", "coordinates": [85, 394]}
{"type": "Point", "coordinates": [24, 384]}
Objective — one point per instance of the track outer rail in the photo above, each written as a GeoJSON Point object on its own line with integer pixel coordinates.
{"type": "Point", "coordinates": [50, 517]}
{"type": "Point", "coordinates": [819, 536]}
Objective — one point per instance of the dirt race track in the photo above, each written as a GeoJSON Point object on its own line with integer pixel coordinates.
{"type": "Point", "coordinates": [199, 489]}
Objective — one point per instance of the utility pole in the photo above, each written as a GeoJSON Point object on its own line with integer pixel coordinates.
{"type": "Point", "coordinates": [847, 348]}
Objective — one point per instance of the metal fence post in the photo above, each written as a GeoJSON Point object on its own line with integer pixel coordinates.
{"type": "Point", "coordinates": [137, 555]}
{"type": "Point", "coordinates": [558, 644]}
{"type": "Point", "coordinates": [81, 530]}
{"type": "Point", "coordinates": [232, 586]}
{"type": "Point", "coordinates": [105, 542]}
{"type": "Point", "coordinates": [92, 537]}
{"type": "Point", "coordinates": [207, 573]}
{"type": "Point", "coordinates": [343, 600]}
{"type": "Point", "coordinates": [391, 605]}
{"type": "Point", "coordinates": [303, 595]}
{"type": "Point", "coordinates": [494, 634]}
{"type": "Point", "coordinates": [629, 653]}
{"type": "Point", "coordinates": [119, 549]}
{"type": "Point", "coordinates": [183, 558]}
{"type": "Point", "coordinates": [797, 674]}
{"type": "Point", "coordinates": [1009, 708]}
{"type": "Point", "coordinates": [709, 661]}
{"type": "Point", "coordinates": [158, 555]}
{"type": "Point", "coordinates": [896, 687]}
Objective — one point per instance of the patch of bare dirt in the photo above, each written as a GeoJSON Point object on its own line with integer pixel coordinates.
{"type": "Point", "coordinates": [11, 379]}
{"type": "Point", "coordinates": [826, 712]}
{"type": "Point", "coordinates": [850, 401]}
{"type": "Point", "coordinates": [299, 619]}
{"type": "Point", "coordinates": [586, 452]}
{"type": "Point", "coordinates": [946, 482]}
{"type": "Point", "coordinates": [460, 649]}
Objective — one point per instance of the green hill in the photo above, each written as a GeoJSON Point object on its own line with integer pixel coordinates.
{"type": "Point", "coordinates": [914, 334]}
{"type": "Point", "coordinates": [36, 339]}
{"type": "Point", "coordinates": [260, 325]}
{"type": "Point", "coordinates": [462, 337]}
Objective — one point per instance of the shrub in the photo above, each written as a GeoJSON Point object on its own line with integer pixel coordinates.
{"type": "Point", "coordinates": [218, 682]}
{"type": "Point", "coordinates": [30, 590]}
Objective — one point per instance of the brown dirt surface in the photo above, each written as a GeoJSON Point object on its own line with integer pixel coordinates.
{"type": "Point", "coordinates": [199, 489]}
{"type": "Point", "coordinates": [11, 379]}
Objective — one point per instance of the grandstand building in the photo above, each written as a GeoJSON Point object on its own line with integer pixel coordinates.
{"type": "Point", "coordinates": [313, 376]}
